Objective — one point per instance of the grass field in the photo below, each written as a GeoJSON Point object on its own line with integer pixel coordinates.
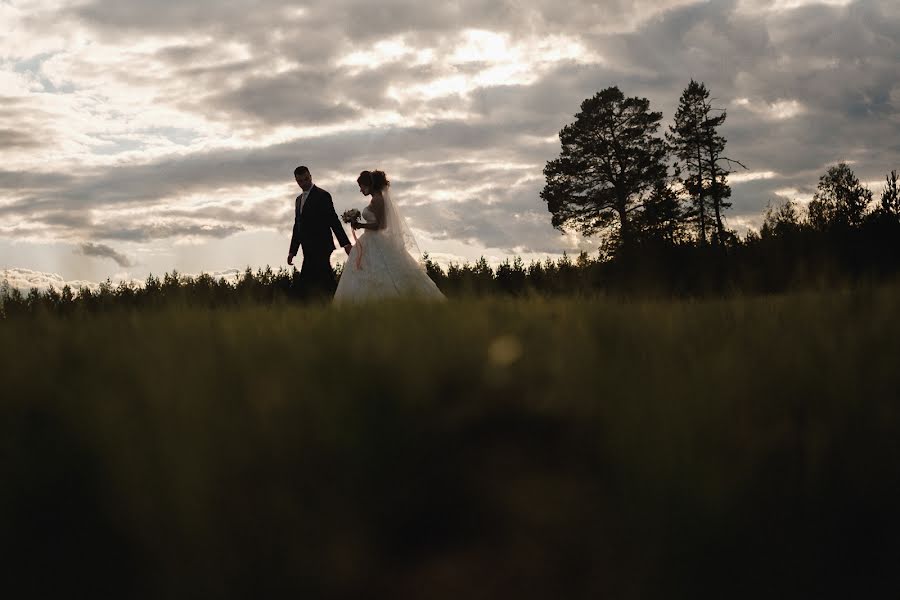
{"type": "Point", "coordinates": [745, 447]}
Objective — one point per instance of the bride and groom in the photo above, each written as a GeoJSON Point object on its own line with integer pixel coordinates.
{"type": "Point", "coordinates": [382, 264]}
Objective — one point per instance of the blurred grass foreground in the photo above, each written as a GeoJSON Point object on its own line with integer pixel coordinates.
{"type": "Point", "coordinates": [570, 448]}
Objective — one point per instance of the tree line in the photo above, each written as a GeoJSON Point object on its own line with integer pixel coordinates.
{"type": "Point", "coordinates": [658, 204]}
{"type": "Point", "coordinates": [796, 248]}
{"type": "Point", "coordinates": [268, 286]}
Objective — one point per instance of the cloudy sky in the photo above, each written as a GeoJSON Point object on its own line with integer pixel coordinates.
{"type": "Point", "coordinates": [143, 136]}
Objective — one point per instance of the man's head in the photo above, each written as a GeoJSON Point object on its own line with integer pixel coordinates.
{"type": "Point", "coordinates": [303, 177]}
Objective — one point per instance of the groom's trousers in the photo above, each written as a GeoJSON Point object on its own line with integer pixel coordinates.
{"type": "Point", "coordinates": [316, 277]}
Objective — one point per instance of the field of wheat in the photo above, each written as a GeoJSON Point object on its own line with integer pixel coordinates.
{"type": "Point", "coordinates": [483, 448]}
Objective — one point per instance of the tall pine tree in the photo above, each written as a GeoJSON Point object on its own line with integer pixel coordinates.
{"type": "Point", "coordinates": [700, 166]}
{"type": "Point", "coordinates": [610, 161]}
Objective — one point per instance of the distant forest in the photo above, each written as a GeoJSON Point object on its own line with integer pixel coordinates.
{"type": "Point", "coordinates": [791, 252]}
{"type": "Point", "coordinates": [657, 204]}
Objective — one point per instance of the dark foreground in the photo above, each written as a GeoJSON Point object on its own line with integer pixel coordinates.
{"type": "Point", "coordinates": [743, 448]}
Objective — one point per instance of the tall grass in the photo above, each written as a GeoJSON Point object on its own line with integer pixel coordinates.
{"type": "Point", "coordinates": [565, 448]}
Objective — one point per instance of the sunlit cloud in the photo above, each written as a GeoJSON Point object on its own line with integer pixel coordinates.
{"type": "Point", "coordinates": [785, 5]}
{"type": "Point", "coordinates": [794, 194]}
{"type": "Point", "coordinates": [778, 110]}
{"type": "Point", "coordinates": [26, 279]}
{"type": "Point", "coordinates": [385, 52]}
{"type": "Point", "coordinates": [485, 58]}
{"type": "Point", "coordinates": [744, 176]}
{"type": "Point", "coordinates": [168, 132]}
{"type": "Point", "coordinates": [792, 4]}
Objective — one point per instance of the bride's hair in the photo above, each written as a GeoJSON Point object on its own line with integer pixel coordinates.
{"type": "Point", "coordinates": [374, 180]}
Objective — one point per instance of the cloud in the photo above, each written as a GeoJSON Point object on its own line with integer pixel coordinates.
{"type": "Point", "coordinates": [25, 279]}
{"type": "Point", "coordinates": [12, 138]}
{"type": "Point", "coordinates": [157, 231]}
{"type": "Point", "coordinates": [103, 251]}
{"type": "Point", "coordinates": [128, 121]}
{"type": "Point", "coordinates": [297, 97]}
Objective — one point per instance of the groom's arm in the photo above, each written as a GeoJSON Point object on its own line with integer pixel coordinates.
{"type": "Point", "coordinates": [295, 238]}
{"type": "Point", "coordinates": [336, 226]}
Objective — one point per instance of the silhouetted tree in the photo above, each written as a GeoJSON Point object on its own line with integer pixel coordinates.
{"type": "Point", "coordinates": [610, 160]}
{"type": "Point", "coordinates": [698, 147]}
{"type": "Point", "coordinates": [435, 272]}
{"type": "Point", "coordinates": [890, 195]}
{"type": "Point", "coordinates": [510, 277]}
{"type": "Point", "coordinates": [686, 141]}
{"type": "Point", "coordinates": [781, 220]}
{"type": "Point", "coordinates": [471, 279]}
{"type": "Point", "coordinates": [840, 200]}
{"type": "Point", "coordinates": [661, 222]}
{"type": "Point", "coordinates": [5, 289]}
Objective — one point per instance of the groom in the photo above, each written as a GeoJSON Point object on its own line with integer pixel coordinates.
{"type": "Point", "coordinates": [314, 220]}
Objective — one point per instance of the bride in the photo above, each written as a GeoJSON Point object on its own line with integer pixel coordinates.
{"type": "Point", "coordinates": [383, 263]}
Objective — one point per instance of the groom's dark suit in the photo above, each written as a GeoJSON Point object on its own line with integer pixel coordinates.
{"type": "Point", "coordinates": [312, 231]}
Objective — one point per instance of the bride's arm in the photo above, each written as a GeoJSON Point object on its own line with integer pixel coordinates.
{"type": "Point", "coordinates": [378, 209]}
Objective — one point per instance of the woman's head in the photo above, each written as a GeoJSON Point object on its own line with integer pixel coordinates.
{"type": "Point", "coordinates": [372, 181]}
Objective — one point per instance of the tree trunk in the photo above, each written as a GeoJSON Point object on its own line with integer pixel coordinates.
{"type": "Point", "coordinates": [717, 207]}
{"type": "Point", "coordinates": [716, 194]}
{"type": "Point", "coordinates": [700, 199]}
{"type": "Point", "coordinates": [624, 225]}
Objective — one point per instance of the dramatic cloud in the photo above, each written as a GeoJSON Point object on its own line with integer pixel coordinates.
{"type": "Point", "coordinates": [104, 251]}
{"type": "Point", "coordinates": [172, 127]}
{"type": "Point", "coordinates": [26, 279]}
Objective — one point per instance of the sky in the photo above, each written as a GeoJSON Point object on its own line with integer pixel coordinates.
{"type": "Point", "coordinates": [142, 136]}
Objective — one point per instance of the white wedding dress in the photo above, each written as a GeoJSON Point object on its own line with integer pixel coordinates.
{"type": "Point", "coordinates": [380, 265]}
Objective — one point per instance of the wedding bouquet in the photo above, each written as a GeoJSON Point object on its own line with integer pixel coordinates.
{"type": "Point", "coordinates": [350, 216]}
